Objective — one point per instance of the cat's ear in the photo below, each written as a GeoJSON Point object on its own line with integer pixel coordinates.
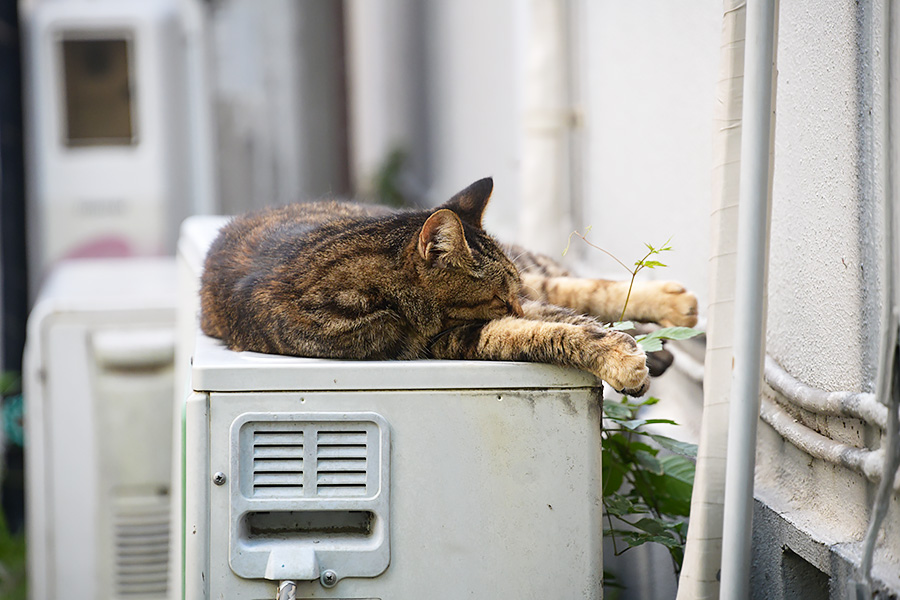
{"type": "Point", "coordinates": [442, 237]}
{"type": "Point", "coordinates": [470, 203]}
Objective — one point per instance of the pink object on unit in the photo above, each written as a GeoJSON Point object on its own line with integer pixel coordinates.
{"type": "Point", "coordinates": [106, 247]}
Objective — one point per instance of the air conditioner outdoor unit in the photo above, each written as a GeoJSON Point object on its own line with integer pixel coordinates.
{"type": "Point", "coordinates": [98, 389]}
{"type": "Point", "coordinates": [399, 479]}
{"type": "Point", "coordinates": [116, 126]}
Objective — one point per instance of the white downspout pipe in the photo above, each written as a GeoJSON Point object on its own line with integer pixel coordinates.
{"type": "Point", "coordinates": [545, 216]}
{"type": "Point", "coordinates": [700, 571]}
{"type": "Point", "coordinates": [750, 304]}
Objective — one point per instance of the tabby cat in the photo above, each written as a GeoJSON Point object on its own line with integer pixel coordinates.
{"type": "Point", "coordinates": [344, 280]}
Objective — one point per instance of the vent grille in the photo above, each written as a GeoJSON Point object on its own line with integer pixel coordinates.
{"type": "Point", "coordinates": [277, 463]}
{"type": "Point", "coordinates": [142, 548]}
{"type": "Point", "coordinates": [341, 463]}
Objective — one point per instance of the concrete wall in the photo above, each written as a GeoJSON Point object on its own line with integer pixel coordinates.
{"type": "Point", "coordinates": [824, 274]}
{"type": "Point", "coordinates": [824, 296]}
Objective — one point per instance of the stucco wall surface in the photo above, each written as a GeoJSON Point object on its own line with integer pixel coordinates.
{"type": "Point", "coordinates": [823, 313]}
{"type": "Point", "coordinates": [824, 288]}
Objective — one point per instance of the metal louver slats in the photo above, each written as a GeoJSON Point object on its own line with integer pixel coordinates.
{"type": "Point", "coordinates": [278, 463]}
{"type": "Point", "coordinates": [141, 548]}
{"type": "Point", "coordinates": [341, 463]}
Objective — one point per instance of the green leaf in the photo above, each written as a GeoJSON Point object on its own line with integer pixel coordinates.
{"type": "Point", "coordinates": [617, 411]}
{"type": "Point", "coordinates": [633, 424]}
{"type": "Point", "coordinates": [621, 325]}
{"type": "Point", "coordinates": [10, 383]}
{"type": "Point", "coordinates": [680, 468]}
{"type": "Point", "coordinates": [635, 446]}
{"type": "Point", "coordinates": [649, 462]}
{"type": "Point", "coordinates": [637, 538]}
{"type": "Point", "coordinates": [610, 581]}
{"type": "Point", "coordinates": [671, 492]}
{"type": "Point", "coordinates": [676, 446]}
{"type": "Point", "coordinates": [649, 264]}
{"type": "Point", "coordinates": [652, 342]}
{"type": "Point", "coordinates": [664, 248]}
{"type": "Point", "coordinates": [649, 344]}
{"type": "Point", "coordinates": [619, 506]}
{"type": "Point", "coordinates": [675, 333]}
{"type": "Point", "coordinates": [613, 474]}
{"type": "Point", "coordinates": [618, 446]}
{"type": "Point", "coordinates": [652, 525]}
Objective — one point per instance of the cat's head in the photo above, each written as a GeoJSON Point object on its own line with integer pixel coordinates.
{"type": "Point", "coordinates": [464, 268]}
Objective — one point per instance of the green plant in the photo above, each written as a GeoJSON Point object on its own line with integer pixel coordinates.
{"type": "Point", "coordinates": [648, 478]}
{"type": "Point", "coordinates": [12, 563]}
{"type": "Point", "coordinates": [638, 265]}
{"type": "Point", "coordinates": [12, 545]}
{"type": "Point", "coordinates": [387, 181]}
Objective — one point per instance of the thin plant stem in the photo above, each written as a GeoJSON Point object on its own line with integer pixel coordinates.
{"type": "Point", "coordinates": [583, 236]}
{"type": "Point", "coordinates": [640, 265]}
{"type": "Point", "coordinates": [612, 531]}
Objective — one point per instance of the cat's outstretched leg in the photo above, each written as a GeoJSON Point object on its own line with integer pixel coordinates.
{"type": "Point", "coordinates": [544, 279]}
{"type": "Point", "coordinates": [609, 355]}
{"type": "Point", "coordinates": [657, 362]}
{"type": "Point", "coordinates": [665, 302]}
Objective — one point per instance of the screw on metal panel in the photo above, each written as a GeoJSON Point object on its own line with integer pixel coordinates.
{"type": "Point", "coordinates": [219, 478]}
{"type": "Point", "coordinates": [329, 578]}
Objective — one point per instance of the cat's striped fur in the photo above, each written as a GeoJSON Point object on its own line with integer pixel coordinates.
{"type": "Point", "coordinates": [345, 280]}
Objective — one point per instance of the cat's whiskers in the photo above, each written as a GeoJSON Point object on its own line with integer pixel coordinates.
{"type": "Point", "coordinates": [536, 291]}
{"type": "Point", "coordinates": [519, 255]}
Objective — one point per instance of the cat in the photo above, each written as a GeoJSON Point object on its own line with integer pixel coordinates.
{"type": "Point", "coordinates": [338, 279]}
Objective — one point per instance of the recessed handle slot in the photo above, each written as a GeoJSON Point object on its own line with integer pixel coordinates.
{"type": "Point", "coordinates": [313, 525]}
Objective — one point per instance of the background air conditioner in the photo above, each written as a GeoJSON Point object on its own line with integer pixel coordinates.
{"type": "Point", "coordinates": [98, 386]}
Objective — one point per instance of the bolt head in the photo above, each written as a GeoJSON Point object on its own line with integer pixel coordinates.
{"type": "Point", "coordinates": [219, 478]}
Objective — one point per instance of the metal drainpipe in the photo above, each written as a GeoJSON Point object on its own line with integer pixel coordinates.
{"type": "Point", "coordinates": [749, 329]}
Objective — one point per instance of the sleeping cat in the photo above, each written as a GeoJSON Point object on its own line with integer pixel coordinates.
{"type": "Point", "coordinates": [345, 280]}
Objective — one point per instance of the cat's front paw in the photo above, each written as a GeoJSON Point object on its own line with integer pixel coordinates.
{"type": "Point", "coordinates": [674, 305]}
{"type": "Point", "coordinates": [623, 364]}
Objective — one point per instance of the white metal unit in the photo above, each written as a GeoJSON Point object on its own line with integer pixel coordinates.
{"type": "Point", "coordinates": [398, 479]}
{"type": "Point", "coordinates": [117, 154]}
{"type": "Point", "coordinates": [98, 387]}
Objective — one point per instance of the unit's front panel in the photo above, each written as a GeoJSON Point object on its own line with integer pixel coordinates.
{"type": "Point", "coordinates": [98, 477]}
{"type": "Point", "coordinates": [407, 494]}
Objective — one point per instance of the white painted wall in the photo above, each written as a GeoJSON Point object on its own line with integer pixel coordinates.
{"type": "Point", "coordinates": [439, 80]}
{"type": "Point", "coordinates": [651, 70]}
{"type": "Point", "coordinates": [474, 114]}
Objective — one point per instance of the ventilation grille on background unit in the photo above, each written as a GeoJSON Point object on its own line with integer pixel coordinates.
{"type": "Point", "coordinates": [311, 459]}
{"type": "Point", "coordinates": [141, 527]}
